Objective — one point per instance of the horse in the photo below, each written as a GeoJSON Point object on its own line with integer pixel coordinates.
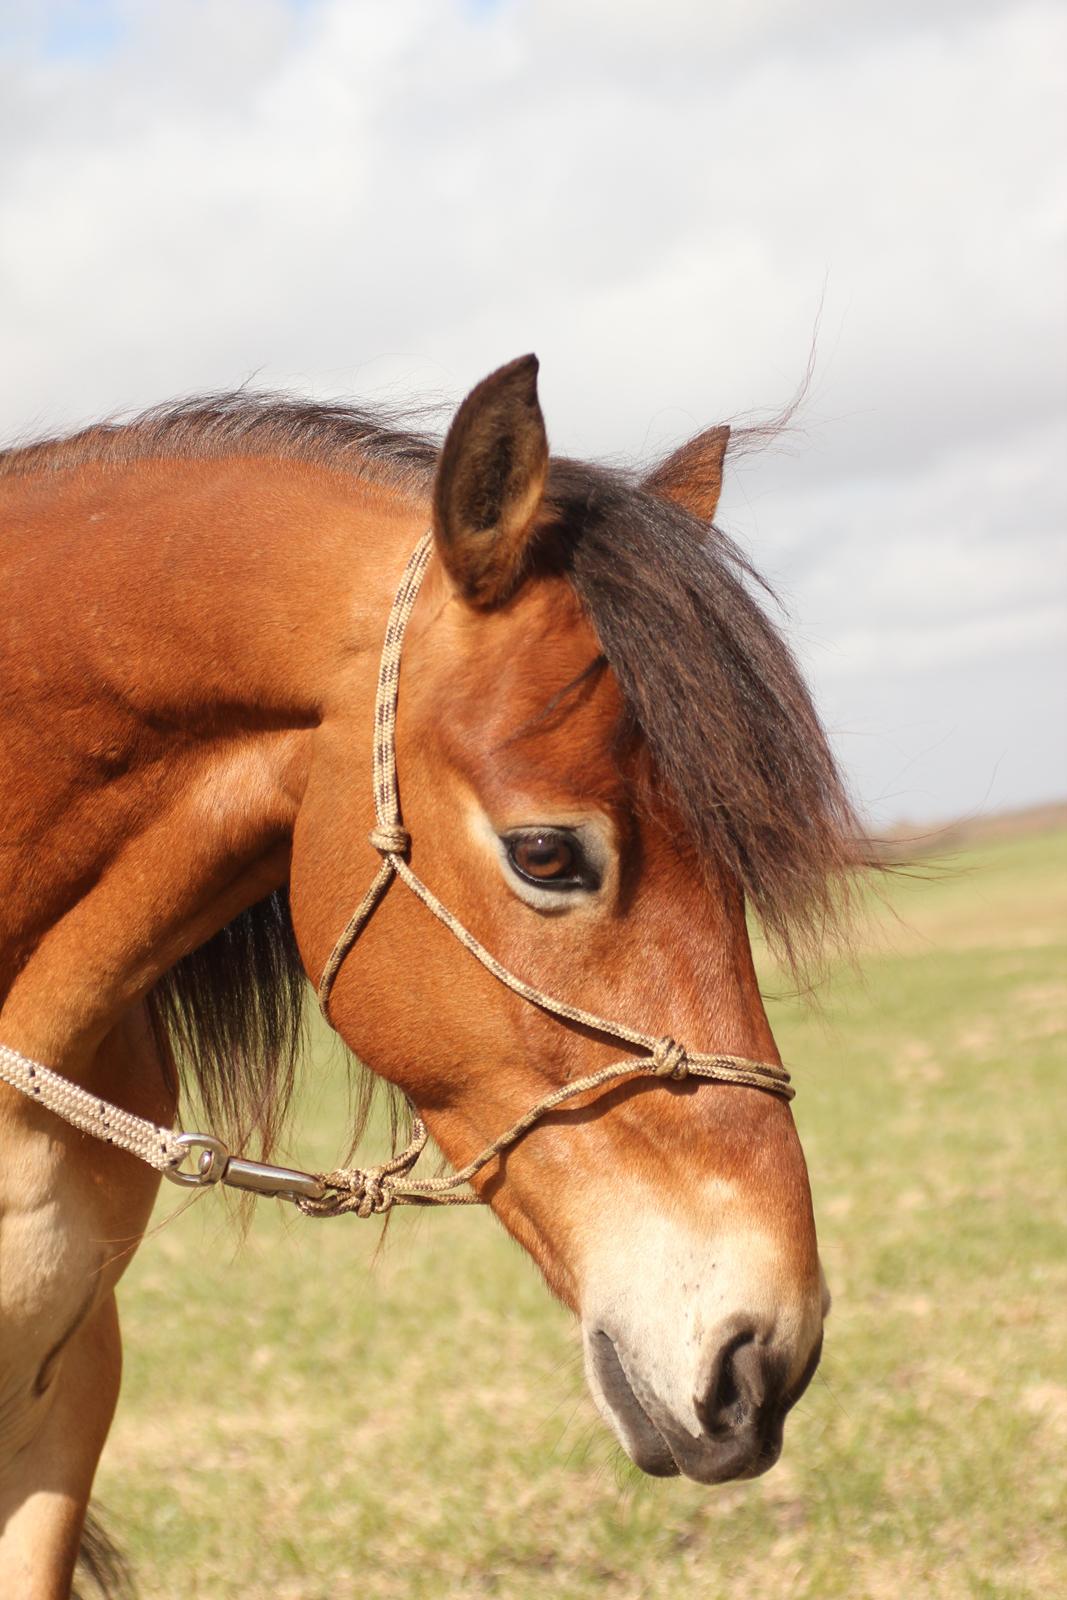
{"type": "Point", "coordinates": [606, 757]}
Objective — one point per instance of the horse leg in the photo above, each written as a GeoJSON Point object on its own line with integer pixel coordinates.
{"type": "Point", "coordinates": [72, 1212]}
{"type": "Point", "coordinates": [44, 1490]}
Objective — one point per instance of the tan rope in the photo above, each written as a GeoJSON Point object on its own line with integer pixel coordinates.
{"type": "Point", "coordinates": [157, 1146]}
{"type": "Point", "coordinates": [389, 837]}
{"type": "Point", "coordinates": [372, 1190]}
{"type": "Point", "coordinates": [367, 1191]}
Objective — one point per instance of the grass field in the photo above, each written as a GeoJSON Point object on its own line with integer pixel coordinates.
{"type": "Point", "coordinates": [300, 1421]}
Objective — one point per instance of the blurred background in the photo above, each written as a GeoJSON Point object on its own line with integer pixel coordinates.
{"type": "Point", "coordinates": [673, 204]}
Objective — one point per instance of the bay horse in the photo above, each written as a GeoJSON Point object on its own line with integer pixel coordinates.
{"type": "Point", "coordinates": [605, 755]}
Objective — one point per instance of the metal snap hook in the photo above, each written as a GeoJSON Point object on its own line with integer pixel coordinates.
{"type": "Point", "coordinates": [210, 1165]}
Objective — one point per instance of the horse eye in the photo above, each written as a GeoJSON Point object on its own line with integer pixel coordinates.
{"type": "Point", "coordinates": [549, 858]}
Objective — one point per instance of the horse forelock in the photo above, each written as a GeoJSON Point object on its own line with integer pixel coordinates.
{"type": "Point", "coordinates": [710, 682]}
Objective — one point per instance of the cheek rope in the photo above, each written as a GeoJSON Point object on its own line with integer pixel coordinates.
{"type": "Point", "coordinates": [370, 1191]}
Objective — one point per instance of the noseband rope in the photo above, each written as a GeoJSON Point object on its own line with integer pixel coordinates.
{"type": "Point", "coordinates": [370, 1191]}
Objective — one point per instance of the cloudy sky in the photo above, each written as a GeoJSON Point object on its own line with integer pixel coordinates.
{"type": "Point", "coordinates": [667, 201]}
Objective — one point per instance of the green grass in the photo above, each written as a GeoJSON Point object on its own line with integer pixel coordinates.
{"type": "Point", "coordinates": [300, 1420]}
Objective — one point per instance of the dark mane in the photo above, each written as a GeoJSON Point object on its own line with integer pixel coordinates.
{"type": "Point", "coordinates": [706, 677]}
{"type": "Point", "coordinates": [246, 423]}
{"type": "Point", "coordinates": [228, 1019]}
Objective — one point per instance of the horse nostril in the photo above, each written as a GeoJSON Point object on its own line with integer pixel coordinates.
{"type": "Point", "coordinates": [722, 1407]}
{"type": "Point", "coordinates": [742, 1383]}
{"type": "Point", "coordinates": [742, 1396]}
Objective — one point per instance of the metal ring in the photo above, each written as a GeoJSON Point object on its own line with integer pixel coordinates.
{"type": "Point", "coordinates": [209, 1168]}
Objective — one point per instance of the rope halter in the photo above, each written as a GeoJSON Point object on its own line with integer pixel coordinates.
{"type": "Point", "coordinates": [371, 1191]}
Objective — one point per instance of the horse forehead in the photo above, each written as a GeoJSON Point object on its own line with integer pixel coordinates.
{"type": "Point", "coordinates": [509, 700]}
{"type": "Point", "coordinates": [509, 666]}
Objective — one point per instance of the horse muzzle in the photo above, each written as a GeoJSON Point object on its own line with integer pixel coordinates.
{"type": "Point", "coordinates": [732, 1425]}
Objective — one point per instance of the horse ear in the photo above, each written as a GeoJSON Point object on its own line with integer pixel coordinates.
{"type": "Point", "coordinates": [692, 476]}
{"type": "Point", "coordinates": [490, 481]}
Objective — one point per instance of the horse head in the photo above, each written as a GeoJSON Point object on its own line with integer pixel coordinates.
{"type": "Point", "coordinates": [605, 757]}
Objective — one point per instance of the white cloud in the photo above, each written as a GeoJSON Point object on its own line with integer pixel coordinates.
{"type": "Point", "coordinates": [396, 195]}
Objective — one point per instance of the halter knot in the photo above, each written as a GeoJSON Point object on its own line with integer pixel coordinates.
{"type": "Point", "coordinates": [390, 839]}
{"type": "Point", "coordinates": [670, 1059]}
{"type": "Point", "coordinates": [353, 1189]}
{"type": "Point", "coordinates": [373, 1197]}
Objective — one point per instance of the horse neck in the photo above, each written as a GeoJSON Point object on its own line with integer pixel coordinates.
{"type": "Point", "coordinates": [180, 629]}
{"type": "Point", "coordinates": [193, 588]}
